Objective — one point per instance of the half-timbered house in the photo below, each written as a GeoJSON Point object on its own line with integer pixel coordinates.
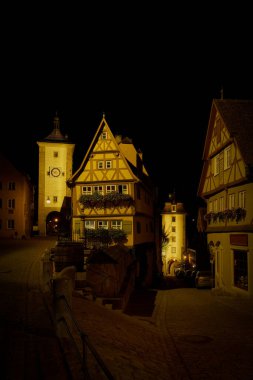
{"type": "Point", "coordinates": [226, 184]}
{"type": "Point", "coordinates": [113, 199]}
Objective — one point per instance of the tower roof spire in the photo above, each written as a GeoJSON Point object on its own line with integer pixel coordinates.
{"type": "Point", "coordinates": [56, 134]}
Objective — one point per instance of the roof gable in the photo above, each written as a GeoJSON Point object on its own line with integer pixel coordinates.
{"type": "Point", "coordinates": [101, 145]}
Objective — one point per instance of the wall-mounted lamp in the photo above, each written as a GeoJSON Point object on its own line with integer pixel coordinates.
{"type": "Point", "coordinates": [48, 200]}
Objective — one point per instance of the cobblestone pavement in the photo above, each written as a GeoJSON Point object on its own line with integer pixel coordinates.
{"type": "Point", "coordinates": [174, 333]}
{"type": "Point", "coordinates": [190, 334]}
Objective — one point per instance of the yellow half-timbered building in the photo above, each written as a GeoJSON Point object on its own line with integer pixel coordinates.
{"type": "Point", "coordinates": [111, 190]}
{"type": "Point", "coordinates": [226, 184]}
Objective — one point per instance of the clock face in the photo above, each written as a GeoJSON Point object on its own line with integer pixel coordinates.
{"type": "Point", "coordinates": [55, 172]}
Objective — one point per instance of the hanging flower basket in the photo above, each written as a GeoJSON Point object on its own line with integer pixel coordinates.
{"type": "Point", "coordinates": [110, 200]}
{"type": "Point", "coordinates": [236, 214]}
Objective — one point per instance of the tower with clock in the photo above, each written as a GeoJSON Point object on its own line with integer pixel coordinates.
{"type": "Point", "coordinates": [55, 167]}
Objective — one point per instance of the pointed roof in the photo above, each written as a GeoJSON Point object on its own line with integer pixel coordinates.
{"type": "Point", "coordinates": [237, 115]}
{"type": "Point", "coordinates": [103, 124]}
{"type": "Point", "coordinates": [56, 134]}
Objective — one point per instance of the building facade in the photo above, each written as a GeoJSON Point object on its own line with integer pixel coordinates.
{"type": "Point", "coordinates": [16, 201]}
{"type": "Point", "coordinates": [174, 236]}
{"type": "Point", "coordinates": [226, 184]}
{"type": "Point", "coordinates": [112, 195]}
{"type": "Point", "coordinates": [55, 167]}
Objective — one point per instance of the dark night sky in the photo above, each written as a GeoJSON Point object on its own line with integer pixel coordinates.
{"type": "Point", "coordinates": [152, 69]}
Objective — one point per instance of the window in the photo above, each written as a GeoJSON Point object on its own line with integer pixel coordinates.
{"type": "Point", "coordinates": [100, 164]}
{"type": "Point", "coordinates": [86, 190]}
{"type": "Point", "coordinates": [173, 239]}
{"type": "Point", "coordinates": [241, 199]}
{"type": "Point", "coordinates": [173, 219]}
{"type": "Point", "coordinates": [10, 224]}
{"type": "Point", "coordinates": [98, 189]}
{"type": "Point", "coordinates": [55, 154]}
{"type": "Point", "coordinates": [90, 224]}
{"type": "Point", "coordinates": [173, 229]}
{"type": "Point", "coordinates": [227, 157]}
{"type": "Point", "coordinates": [110, 188]}
{"type": "Point", "coordinates": [123, 189]}
{"type": "Point", "coordinates": [108, 164]}
{"type": "Point", "coordinates": [221, 204]}
{"type": "Point", "coordinates": [216, 165]}
{"type": "Point", "coordinates": [11, 186]}
{"type": "Point", "coordinates": [116, 224]}
{"type": "Point", "coordinates": [173, 208]}
{"type": "Point", "coordinates": [104, 136]}
{"type": "Point", "coordinates": [241, 269]}
{"type": "Point", "coordinates": [173, 249]}
{"type": "Point", "coordinates": [11, 203]}
{"type": "Point", "coordinates": [231, 201]}
{"type": "Point", "coordinates": [55, 199]}
{"type": "Point", "coordinates": [103, 224]}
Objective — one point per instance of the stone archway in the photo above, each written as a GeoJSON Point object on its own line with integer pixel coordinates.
{"type": "Point", "coordinates": [53, 223]}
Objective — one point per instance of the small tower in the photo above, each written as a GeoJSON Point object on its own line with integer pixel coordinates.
{"type": "Point", "coordinates": [55, 167]}
{"type": "Point", "coordinates": [174, 234]}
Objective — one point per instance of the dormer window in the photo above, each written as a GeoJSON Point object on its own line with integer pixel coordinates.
{"type": "Point", "coordinates": [173, 208]}
{"type": "Point", "coordinates": [104, 136]}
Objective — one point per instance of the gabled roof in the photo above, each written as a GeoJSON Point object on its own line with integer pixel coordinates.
{"type": "Point", "coordinates": [237, 115]}
{"type": "Point", "coordinates": [102, 124]}
{"type": "Point", "coordinates": [238, 118]}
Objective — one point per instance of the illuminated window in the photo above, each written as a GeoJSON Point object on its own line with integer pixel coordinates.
{"type": "Point", "coordinates": [221, 204]}
{"type": "Point", "coordinates": [110, 188]}
{"type": "Point", "coordinates": [241, 199]}
{"type": "Point", "coordinates": [123, 189]}
{"type": "Point", "coordinates": [98, 189]}
{"type": "Point", "coordinates": [116, 224]}
{"type": "Point", "coordinates": [86, 190]}
{"type": "Point", "coordinates": [103, 224]}
{"type": "Point", "coordinates": [216, 161]}
{"type": "Point", "coordinates": [90, 224]}
{"type": "Point", "coordinates": [231, 201]}
{"type": "Point", "coordinates": [227, 157]}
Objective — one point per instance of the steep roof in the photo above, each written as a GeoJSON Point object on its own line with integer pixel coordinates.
{"type": "Point", "coordinates": [238, 117]}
